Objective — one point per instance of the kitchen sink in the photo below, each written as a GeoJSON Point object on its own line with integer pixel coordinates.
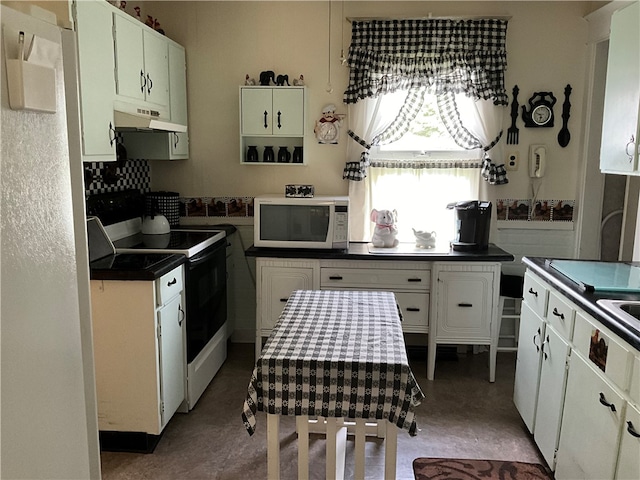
{"type": "Point", "coordinates": [627, 311]}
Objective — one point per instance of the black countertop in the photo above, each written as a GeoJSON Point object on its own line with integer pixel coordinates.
{"type": "Point", "coordinates": [360, 251]}
{"type": "Point", "coordinates": [135, 266]}
{"type": "Point", "coordinates": [586, 299]}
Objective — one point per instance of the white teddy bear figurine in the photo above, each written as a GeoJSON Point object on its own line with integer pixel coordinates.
{"type": "Point", "coordinates": [385, 231]}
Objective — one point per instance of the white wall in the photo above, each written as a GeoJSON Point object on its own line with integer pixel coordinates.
{"type": "Point", "coordinates": [225, 40]}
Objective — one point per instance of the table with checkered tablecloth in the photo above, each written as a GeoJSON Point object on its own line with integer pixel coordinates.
{"type": "Point", "coordinates": [335, 354]}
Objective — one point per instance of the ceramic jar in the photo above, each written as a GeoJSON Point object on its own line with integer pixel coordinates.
{"type": "Point", "coordinates": [284, 156]}
{"type": "Point", "coordinates": [268, 156]}
{"type": "Point", "coordinates": [252, 154]}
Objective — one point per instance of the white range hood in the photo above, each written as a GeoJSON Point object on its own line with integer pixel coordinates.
{"type": "Point", "coordinates": [129, 116]}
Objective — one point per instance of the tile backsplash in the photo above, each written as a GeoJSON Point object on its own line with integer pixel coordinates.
{"type": "Point", "coordinates": [107, 177]}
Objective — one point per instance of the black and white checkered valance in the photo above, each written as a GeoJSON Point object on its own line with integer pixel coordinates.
{"type": "Point", "coordinates": [443, 55]}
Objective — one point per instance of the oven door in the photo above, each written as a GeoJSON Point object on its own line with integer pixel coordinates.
{"type": "Point", "coordinates": [206, 295]}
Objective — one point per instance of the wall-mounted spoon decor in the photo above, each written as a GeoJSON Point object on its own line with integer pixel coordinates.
{"type": "Point", "coordinates": [564, 136]}
{"type": "Point", "coordinates": [512, 131]}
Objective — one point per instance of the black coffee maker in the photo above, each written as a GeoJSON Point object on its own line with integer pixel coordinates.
{"type": "Point", "coordinates": [473, 221]}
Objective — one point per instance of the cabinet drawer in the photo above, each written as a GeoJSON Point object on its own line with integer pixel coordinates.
{"type": "Point", "coordinates": [561, 314]}
{"type": "Point", "coordinates": [602, 350]}
{"type": "Point", "coordinates": [374, 278]}
{"type": "Point", "coordinates": [535, 294]}
{"type": "Point", "coordinates": [169, 285]}
{"type": "Point", "coordinates": [415, 309]}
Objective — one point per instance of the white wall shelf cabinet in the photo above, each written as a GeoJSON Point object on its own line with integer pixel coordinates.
{"type": "Point", "coordinates": [97, 92]}
{"type": "Point", "coordinates": [138, 335]}
{"type": "Point", "coordinates": [621, 123]}
{"type": "Point", "coordinates": [272, 116]}
{"type": "Point", "coordinates": [142, 64]}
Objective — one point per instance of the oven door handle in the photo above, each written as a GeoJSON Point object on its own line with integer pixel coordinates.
{"type": "Point", "coordinates": [207, 255]}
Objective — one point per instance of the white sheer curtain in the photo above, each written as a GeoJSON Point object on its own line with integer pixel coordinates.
{"type": "Point", "coordinates": [365, 121]}
{"type": "Point", "coordinates": [420, 196]}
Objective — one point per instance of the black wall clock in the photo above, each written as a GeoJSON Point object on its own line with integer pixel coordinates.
{"type": "Point", "coordinates": [540, 113]}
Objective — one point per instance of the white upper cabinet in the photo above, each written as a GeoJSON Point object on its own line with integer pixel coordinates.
{"type": "Point", "coordinates": [142, 63]}
{"type": "Point", "coordinates": [96, 82]}
{"type": "Point", "coordinates": [273, 111]}
{"type": "Point", "coordinates": [178, 99]}
{"type": "Point", "coordinates": [621, 124]}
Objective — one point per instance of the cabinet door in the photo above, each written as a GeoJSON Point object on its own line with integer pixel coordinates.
{"type": "Point", "coordinates": [551, 394]}
{"type": "Point", "coordinates": [277, 285]}
{"type": "Point", "coordinates": [464, 306]}
{"type": "Point", "coordinates": [178, 100]}
{"type": "Point", "coordinates": [622, 93]}
{"type": "Point", "coordinates": [97, 87]}
{"type": "Point", "coordinates": [525, 389]}
{"type": "Point", "coordinates": [589, 437]}
{"type": "Point", "coordinates": [256, 111]}
{"type": "Point", "coordinates": [129, 52]}
{"type": "Point", "coordinates": [172, 357]}
{"type": "Point", "coordinates": [156, 65]}
{"type": "Point", "coordinates": [629, 459]}
{"type": "Point", "coordinates": [288, 112]}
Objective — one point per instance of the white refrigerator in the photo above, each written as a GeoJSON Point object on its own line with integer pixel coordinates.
{"type": "Point", "coordinates": [48, 410]}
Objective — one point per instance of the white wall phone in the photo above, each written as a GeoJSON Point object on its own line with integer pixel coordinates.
{"type": "Point", "coordinates": [537, 160]}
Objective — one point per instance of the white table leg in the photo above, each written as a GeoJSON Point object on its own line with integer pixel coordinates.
{"type": "Point", "coordinates": [273, 446]}
{"type": "Point", "coordinates": [360, 433]}
{"type": "Point", "coordinates": [431, 354]}
{"type": "Point", "coordinates": [390, 452]}
{"type": "Point", "coordinates": [336, 448]}
{"type": "Point", "coordinates": [493, 351]}
{"type": "Point", "coordinates": [302, 427]}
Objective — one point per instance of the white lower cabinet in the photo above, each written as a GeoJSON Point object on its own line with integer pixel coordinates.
{"type": "Point", "coordinates": [527, 379]}
{"type": "Point", "coordinates": [138, 336]}
{"type": "Point", "coordinates": [576, 387]}
{"type": "Point", "coordinates": [553, 374]}
{"type": "Point", "coordinates": [409, 282]}
{"type": "Point", "coordinates": [275, 280]}
{"type": "Point", "coordinates": [629, 459]}
{"type": "Point", "coordinates": [593, 415]}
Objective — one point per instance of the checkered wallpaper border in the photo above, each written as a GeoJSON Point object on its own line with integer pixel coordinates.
{"type": "Point", "coordinates": [134, 174]}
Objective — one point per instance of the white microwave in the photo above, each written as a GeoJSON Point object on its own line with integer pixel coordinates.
{"type": "Point", "coordinates": [285, 222]}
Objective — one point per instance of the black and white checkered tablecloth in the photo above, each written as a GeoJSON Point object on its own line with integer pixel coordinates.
{"type": "Point", "coordinates": [335, 354]}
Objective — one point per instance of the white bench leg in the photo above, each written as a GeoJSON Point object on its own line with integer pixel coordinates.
{"type": "Point", "coordinates": [273, 446]}
{"type": "Point", "coordinates": [336, 448]}
{"type": "Point", "coordinates": [390, 452]}
{"type": "Point", "coordinates": [360, 440]}
{"type": "Point", "coordinates": [302, 427]}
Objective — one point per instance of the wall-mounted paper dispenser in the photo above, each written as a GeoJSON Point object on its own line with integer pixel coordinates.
{"type": "Point", "coordinates": [31, 74]}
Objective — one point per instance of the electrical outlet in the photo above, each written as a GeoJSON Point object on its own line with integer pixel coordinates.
{"type": "Point", "coordinates": [513, 158]}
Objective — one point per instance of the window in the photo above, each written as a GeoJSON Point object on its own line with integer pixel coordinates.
{"type": "Point", "coordinates": [420, 174]}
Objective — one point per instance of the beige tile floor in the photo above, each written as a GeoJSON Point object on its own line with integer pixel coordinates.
{"type": "Point", "coordinates": [463, 416]}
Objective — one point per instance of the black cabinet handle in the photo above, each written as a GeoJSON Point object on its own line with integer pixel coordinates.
{"type": "Point", "coordinates": [557, 313]}
{"type": "Point", "coordinates": [284, 300]}
{"type": "Point", "coordinates": [604, 402]}
{"type": "Point", "coordinates": [143, 81]}
{"type": "Point", "coordinates": [149, 84]}
{"type": "Point", "coordinates": [534, 340]}
{"type": "Point", "coordinates": [172, 282]}
{"type": "Point", "coordinates": [335, 277]}
{"type": "Point", "coordinates": [176, 139]}
{"type": "Point", "coordinates": [542, 347]}
{"type": "Point", "coordinates": [265, 119]}
{"type": "Point", "coordinates": [414, 280]}
{"type": "Point", "coordinates": [412, 309]}
{"type": "Point", "coordinates": [465, 305]}
{"type": "Point", "coordinates": [632, 431]}
{"type": "Point", "coordinates": [181, 316]}
{"type": "Point", "coordinates": [533, 292]}
{"type": "Point", "coordinates": [279, 124]}
{"type": "Point", "coordinates": [112, 130]}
